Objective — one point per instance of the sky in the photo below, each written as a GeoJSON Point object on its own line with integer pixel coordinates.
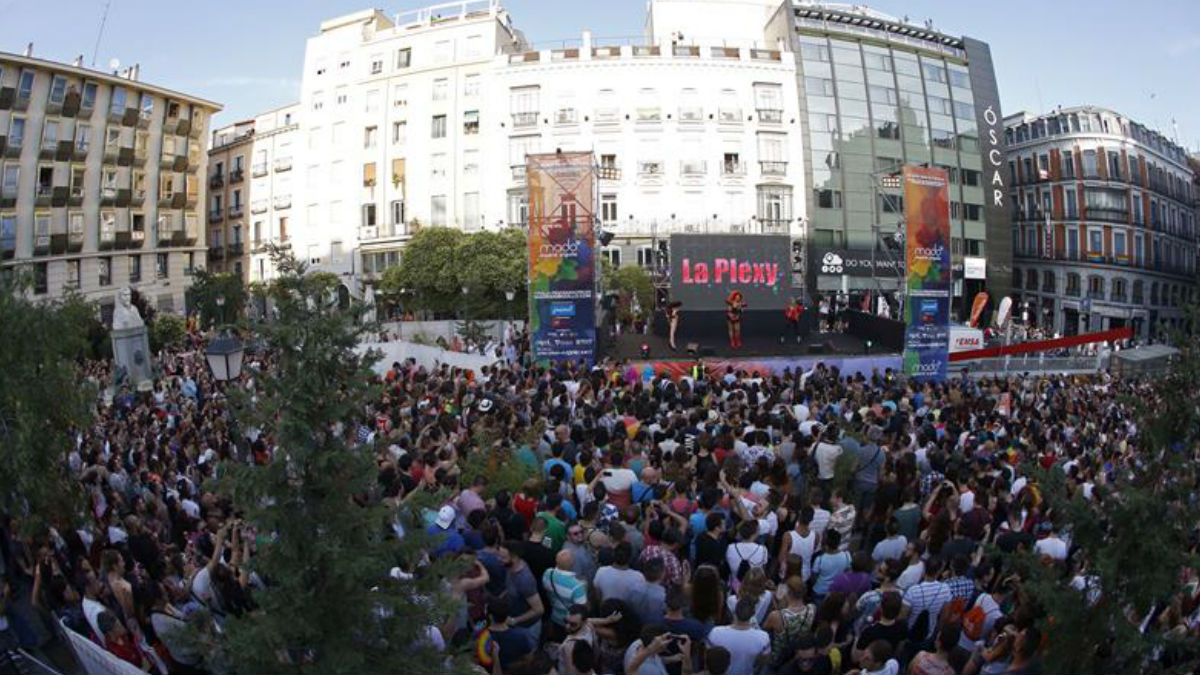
{"type": "Point", "coordinates": [1141, 59]}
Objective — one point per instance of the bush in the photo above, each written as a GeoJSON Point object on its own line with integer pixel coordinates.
{"type": "Point", "coordinates": [166, 331]}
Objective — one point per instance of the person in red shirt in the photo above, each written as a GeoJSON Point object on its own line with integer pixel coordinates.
{"type": "Point", "coordinates": [792, 314]}
{"type": "Point", "coordinates": [119, 642]}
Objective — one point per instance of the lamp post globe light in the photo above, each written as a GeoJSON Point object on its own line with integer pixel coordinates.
{"type": "Point", "coordinates": [224, 356]}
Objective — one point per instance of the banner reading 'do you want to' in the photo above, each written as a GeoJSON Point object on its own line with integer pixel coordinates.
{"type": "Point", "coordinates": [562, 261]}
{"type": "Point", "coordinates": [927, 258]}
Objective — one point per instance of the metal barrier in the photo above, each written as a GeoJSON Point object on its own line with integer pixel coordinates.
{"type": "Point", "coordinates": [1031, 363]}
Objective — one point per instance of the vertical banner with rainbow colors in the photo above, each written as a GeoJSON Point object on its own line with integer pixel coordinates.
{"type": "Point", "coordinates": [562, 260]}
{"type": "Point", "coordinates": [927, 258]}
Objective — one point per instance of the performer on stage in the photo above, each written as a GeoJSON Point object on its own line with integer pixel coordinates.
{"type": "Point", "coordinates": [734, 306]}
{"type": "Point", "coordinates": [673, 315]}
{"type": "Point", "coordinates": [792, 314]}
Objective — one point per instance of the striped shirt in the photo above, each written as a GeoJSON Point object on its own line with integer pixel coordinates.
{"type": "Point", "coordinates": [564, 589]}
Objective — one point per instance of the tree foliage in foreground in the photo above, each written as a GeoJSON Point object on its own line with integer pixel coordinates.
{"type": "Point", "coordinates": [41, 401]}
{"type": "Point", "coordinates": [1134, 539]}
{"type": "Point", "coordinates": [326, 542]}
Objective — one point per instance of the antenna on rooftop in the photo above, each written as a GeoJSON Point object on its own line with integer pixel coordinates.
{"type": "Point", "coordinates": [100, 33]}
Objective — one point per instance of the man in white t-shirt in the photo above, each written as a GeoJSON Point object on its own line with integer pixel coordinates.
{"type": "Point", "coordinates": [826, 455]}
{"type": "Point", "coordinates": [1052, 546]}
{"type": "Point", "coordinates": [746, 549]}
{"type": "Point", "coordinates": [617, 478]}
{"type": "Point", "coordinates": [748, 646]}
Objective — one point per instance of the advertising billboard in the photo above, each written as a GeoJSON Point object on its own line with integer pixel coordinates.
{"type": "Point", "coordinates": [562, 260]}
{"type": "Point", "coordinates": [927, 265]}
{"type": "Point", "coordinates": [706, 268]}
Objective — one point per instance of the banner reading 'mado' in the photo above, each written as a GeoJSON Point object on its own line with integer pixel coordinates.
{"type": "Point", "coordinates": [562, 260]}
{"type": "Point", "coordinates": [927, 258]}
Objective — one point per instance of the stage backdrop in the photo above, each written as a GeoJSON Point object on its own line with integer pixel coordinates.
{"type": "Point", "coordinates": [562, 261]}
{"type": "Point", "coordinates": [706, 268]}
{"type": "Point", "coordinates": [927, 256]}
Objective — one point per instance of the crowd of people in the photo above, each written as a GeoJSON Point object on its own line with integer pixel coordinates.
{"type": "Point", "coordinates": [806, 523]}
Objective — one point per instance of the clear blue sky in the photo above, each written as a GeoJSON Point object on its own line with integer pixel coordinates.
{"type": "Point", "coordinates": [1142, 59]}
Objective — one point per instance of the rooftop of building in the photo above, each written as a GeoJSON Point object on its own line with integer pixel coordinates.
{"type": "Point", "coordinates": [864, 18]}
{"type": "Point", "coordinates": [128, 77]}
{"type": "Point", "coordinates": [1152, 135]}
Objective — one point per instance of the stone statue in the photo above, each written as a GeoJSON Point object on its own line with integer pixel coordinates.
{"type": "Point", "coordinates": [125, 315]}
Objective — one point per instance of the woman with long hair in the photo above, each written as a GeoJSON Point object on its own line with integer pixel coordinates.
{"type": "Point", "coordinates": [708, 595]}
{"type": "Point", "coordinates": [673, 315]}
{"type": "Point", "coordinates": [734, 306]}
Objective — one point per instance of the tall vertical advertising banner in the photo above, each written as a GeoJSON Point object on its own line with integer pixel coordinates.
{"type": "Point", "coordinates": [927, 258]}
{"type": "Point", "coordinates": [562, 257]}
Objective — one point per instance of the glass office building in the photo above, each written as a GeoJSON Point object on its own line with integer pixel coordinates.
{"type": "Point", "coordinates": [877, 94]}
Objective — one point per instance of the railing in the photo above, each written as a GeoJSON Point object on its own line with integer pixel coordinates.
{"type": "Point", "coordinates": [235, 210]}
{"type": "Point", "coordinates": [216, 215]}
{"type": "Point", "coordinates": [693, 167]}
{"type": "Point", "coordinates": [524, 119]}
{"type": "Point", "coordinates": [283, 163]}
{"type": "Point", "coordinates": [650, 168]}
{"type": "Point", "coordinates": [773, 168]}
{"type": "Point", "coordinates": [566, 116]}
{"type": "Point", "coordinates": [688, 51]}
{"type": "Point", "coordinates": [646, 50]}
{"type": "Point", "coordinates": [216, 181]}
{"type": "Point", "coordinates": [730, 115]}
{"type": "Point", "coordinates": [691, 114]}
{"type": "Point", "coordinates": [770, 115]}
{"type": "Point", "coordinates": [258, 169]}
{"type": "Point", "coordinates": [608, 115]}
{"type": "Point", "coordinates": [733, 169]}
{"type": "Point", "coordinates": [258, 206]}
{"type": "Point", "coordinates": [283, 201]}
{"type": "Point", "coordinates": [765, 55]}
{"type": "Point", "coordinates": [608, 172]}
{"type": "Point", "coordinates": [236, 176]}
{"type": "Point", "coordinates": [518, 173]}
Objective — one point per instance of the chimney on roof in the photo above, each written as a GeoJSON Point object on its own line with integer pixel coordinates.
{"type": "Point", "coordinates": [29, 50]}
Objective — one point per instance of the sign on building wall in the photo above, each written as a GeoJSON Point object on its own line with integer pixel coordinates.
{"type": "Point", "coordinates": [927, 257]}
{"type": "Point", "coordinates": [562, 262]}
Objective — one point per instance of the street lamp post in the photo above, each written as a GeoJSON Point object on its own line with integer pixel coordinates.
{"type": "Point", "coordinates": [221, 308]}
{"type": "Point", "coordinates": [225, 355]}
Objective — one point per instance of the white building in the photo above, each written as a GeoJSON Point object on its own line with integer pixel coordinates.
{"type": "Point", "coordinates": [426, 119]}
{"type": "Point", "coordinates": [101, 181]}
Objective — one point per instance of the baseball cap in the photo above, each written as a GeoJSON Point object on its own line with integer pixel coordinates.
{"type": "Point", "coordinates": [446, 516]}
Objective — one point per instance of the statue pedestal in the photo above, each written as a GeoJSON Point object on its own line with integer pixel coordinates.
{"type": "Point", "coordinates": [131, 352]}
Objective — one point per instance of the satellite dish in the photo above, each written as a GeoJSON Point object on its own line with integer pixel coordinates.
{"type": "Point", "coordinates": [114, 63]}
{"type": "Point", "coordinates": [1003, 315]}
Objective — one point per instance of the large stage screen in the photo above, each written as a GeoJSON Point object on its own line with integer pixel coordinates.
{"type": "Point", "coordinates": [706, 268]}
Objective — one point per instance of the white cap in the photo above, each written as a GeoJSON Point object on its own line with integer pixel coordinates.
{"type": "Point", "coordinates": [446, 517]}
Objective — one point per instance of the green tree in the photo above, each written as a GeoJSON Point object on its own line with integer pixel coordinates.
{"type": "Point", "coordinates": [209, 290]}
{"type": "Point", "coordinates": [166, 331]}
{"type": "Point", "coordinates": [41, 401]}
{"type": "Point", "coordinates": [329, 606]}
{"type": "Point", "coordinates": [1134, 537]}
{"type": "Point", "coordinates": [427, 272]}
{"type": "Point", "coordinates": [628, 283]}
{"type": "Point", "coordinates": [491, 264]}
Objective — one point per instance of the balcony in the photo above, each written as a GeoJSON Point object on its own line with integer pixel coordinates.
{"type": "Point", "coordinates": [730, 115]}
{"type": "Point", "coordinates": [42, 194]}
{"type": "Point", "coordinates": [691, 114]}
{"type": "Point", "coordinates": [41, 243]}
{"type": "Point", "coordinates": [184, 128]}
{"type": "Point", "coordinates": [138, 197]}
{"type": "Point", "coordinates": [282, 202]}
{"type": "Point", "coordinates": [48, 148]}
{"type": "Point", "coordinates": [651, 168]}
{"type": "Point", "coordinates": [518, 173]}
{"type": "Point", "coordinates": [607, 116]}
{"type": "Point", "coordinates": [377, 232]}
{"type": "Point", "coordinates": [8, 196]}
{"type": "Point", "coordinates": [524, 120]}
{"type": "Point", "coordinates": [283, 163]}
{"type": "Point", "coordinates": [646, 50]}
{"type": "Point", "coordinates": [258, 169]}
{"type": "Point", "coordinates": [216, 215]}
{"type": "Point", "coordinates": [733, 169]}
{"type": "Point", "coordinates": [7, 96]}
{"type": "Point", "coordinates": [773, 168]}
{"type": "Point", "coordinates": [693, 167]}
{"type": "Point", "coordinates": [125, 156]}
{"type": "Point", "coordinates": [774, 225]}
{"type": "Point", "coordinates": [75, 196]}
{"type": "Point", "coordinates": [732, 53]}
{"type": "Point", "coordinates": [610, 52]}
{"type": "Point", "coordinates": [765, 55]}
{"type": "Point", "coordinates": [64, 151]}
{"type": "Point", "coordinates": [566, 116]}
{"type": "Point", "coordinates": [140, 155]}
{"type": "Point", "coordinates": [649, 115]}
{"type": "Point", "coordinates": [235, 250]}
{"type": "Point", "coordinates": [525, 57]}
{"type": "Point", "coordinates": [181, 163]}
{"type": "Point", "coordinates": [770, 115]}
{"type": "Point", "coordinates": [258, 206]}
{"type": "Point", "coordinates": [216, 252]}
{"type": "Point", "coordinates": [130, 117]}
{"type": "Point", "coordinates": [108, 195]}
{"type": "Point", "coordinates": [171, 122]}
{"type": "Point", "coordinates": [608, 172]}
{"type": "Point", "coordinates": [685, 51]}
{"type": "Point", "coordinates": [216, 181]}
{"type": "Point", "coordinates": [236, 176]}
{"type": "Point", "coordinates": [79, 151]}
{"type": "Point", "coordinates": [235, 210]}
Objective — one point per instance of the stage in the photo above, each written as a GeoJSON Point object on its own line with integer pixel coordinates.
{"type": "Point", "coordinates": [629, 346]}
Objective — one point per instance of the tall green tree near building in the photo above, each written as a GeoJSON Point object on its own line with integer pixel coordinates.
{"type": "Point", "coordinates": [41, 401]}
{"type": "Point", "coordinates": [326, 541]}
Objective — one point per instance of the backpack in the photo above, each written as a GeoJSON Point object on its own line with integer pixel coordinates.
{"type": "Point", "coordinates": [973, 622]}
{"type": "Point", "coordinates": [919, 632]}
{"type": "Point", "coordinates": [743, 567]}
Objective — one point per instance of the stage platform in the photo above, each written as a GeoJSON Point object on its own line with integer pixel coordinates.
{"type": "Point", "coordinates": [629, 346]}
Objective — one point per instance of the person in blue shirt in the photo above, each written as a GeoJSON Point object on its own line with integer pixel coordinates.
{"type": "Point", "coordinates": [442, 529]}
{"type": "Point", "coordinates": [556, 459]}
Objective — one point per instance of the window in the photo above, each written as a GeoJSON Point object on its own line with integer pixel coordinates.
{"type": "Point", "coordinates": [399, 132]}
{"type": "Point", "coordinates": [828, 199]}
{"type": "Point", "coordinates": [117, 105]}
{"type": "Point", "coordinates": [318, 101]}
{"type": "Point", "coordinates": [818, 86]}
{"type": "Point", "coordinates": [437, 164]}
{"type": "Point", "coordinates": [50, 135]}
{"type": "Point", "coordinates": [1068, 164]}
{"type": "Point", "coordinates": [471, 86]}
{"type": "Point", "coordinates": [403, 57]}
{"type": "Point", "coordinates": [397, 212]}
{"type": "Point", "coordinates": [471, 122]}
{"type": "Point", "coordinates": [40, 278]}
{"type": "Point", "coordinates": [1120, 246]}
{"type": "Point", "coordinates": [88, 100]}
{"type": "Point", "coordinates": [369, 174]}
{"type": "Point", "coordinates": [443, 51]}
{"type": "Point", "coordinates": [161, 263]}
{"type": "Point", "coordinates": [105, 269]}
{"type": "Point", "coordinates": [437, 212]}
{"type": "Point", "coordinates": [376, 64]}
{"type": "Point", "coordinates": [372, 101]}
{"type": "Point", "coordinates": [523, 102]}
{"type": "Point", "coordinates": [1114, 166]}
{"type": "Point", "coordinates": [518, 207]}
{"type": "Point", "coordinates": [340, 97]}
{"type": "Point", "coordinates": [368, 215]}
{"type": "Point", "coordinates": [77, 178]}
{"type": "Point", "coordinates": [1072, 206]}
{"type": "Point", "coordinates": [1090, 169]}
{"type": "Point", "coordinates": [438, 126]}
{"type": "Point", "coordinates": [12, 177]}
{"type": "Point", "coordinates": [370, 135]}
{"type": "Point", "coordinates": [471, 215]}
{"type": "Point", "coordinates": [1073, 284]}
{"type": "Point", "coordinates": [25, 85]}
{"type": "Point", "coordinates": [73, 269]}
{"type": "Point", "coordinates": [441, 87]}
{"type": "Point", "coordinates": [645, 257]}
{"type": "Point", "coordinates": [612, 255]}
{"type": "Point", "coordinates": [135, 268]}
{"type": "Point", "coordinates": [473, 47]}
{"type": "Point", "coordinates": [16, 132]}
{"type": "Point", "coordinates": [608, 209]}
{"type": "Point", "coordinates": [58, 89]}
{"type": "Point", "coordinates": [146, 106]}
{"type": "Point", "coordinates": [1138, 250]}
{"type": "Point", "coordinates": [1095, 242]}
{"type": "Point", "coordinates": [8, 235]}
{"type": "Point", "coordinates": [768, 100]}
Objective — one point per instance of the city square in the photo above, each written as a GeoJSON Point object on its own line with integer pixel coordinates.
{"type": "Point", "coordinates": [772, 336]}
